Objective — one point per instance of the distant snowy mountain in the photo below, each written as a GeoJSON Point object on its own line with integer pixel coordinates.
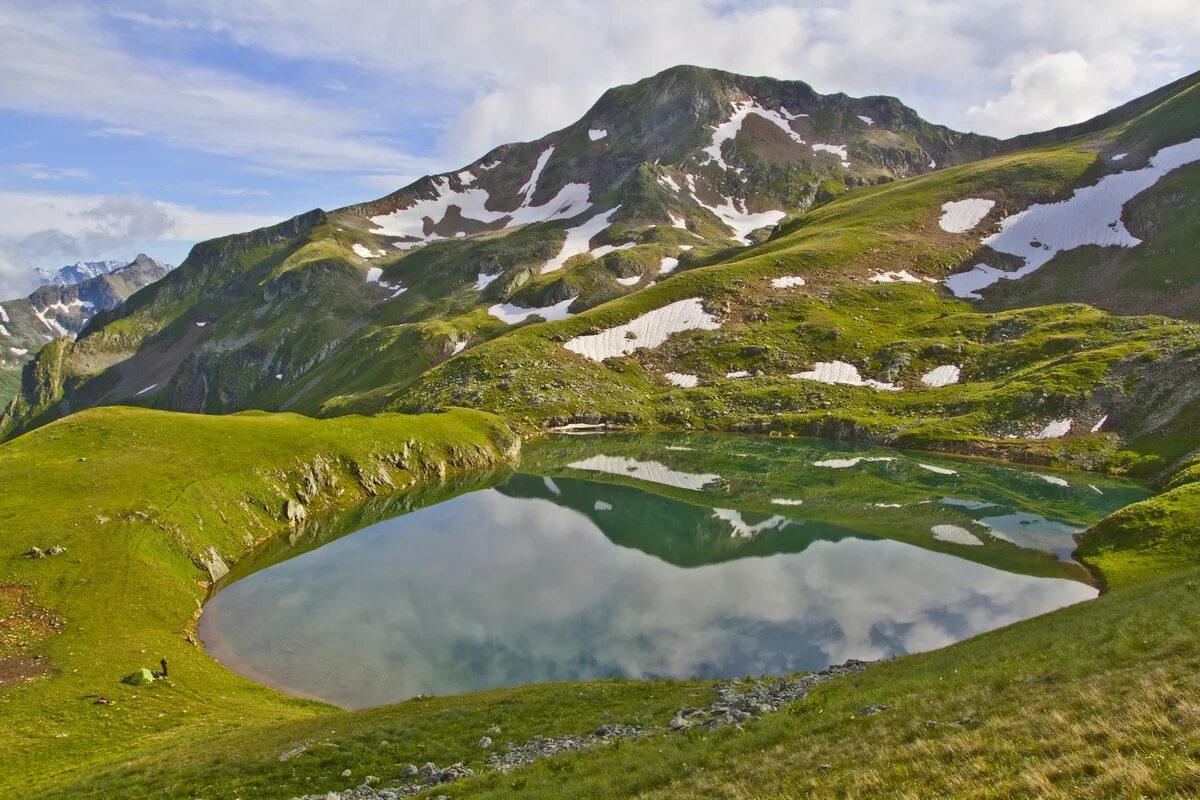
{"type": "Point", "coordinates": [78, 272]}
{"type": "Point", "coordinates": [63, 305]}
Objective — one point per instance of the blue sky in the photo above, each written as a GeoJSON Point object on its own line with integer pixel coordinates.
{"type": "Point", "coordinates": [147, 126]}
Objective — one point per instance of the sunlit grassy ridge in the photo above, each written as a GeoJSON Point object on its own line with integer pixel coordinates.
{"type": "Point", "coordinates": [140, 499]}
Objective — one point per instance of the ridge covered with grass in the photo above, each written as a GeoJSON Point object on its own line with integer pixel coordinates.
{"type": "Point", "coordinates": [149, 506]}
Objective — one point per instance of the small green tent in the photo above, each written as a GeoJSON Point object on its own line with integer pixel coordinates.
{"type": "Point", "coordinates": [140, 678]}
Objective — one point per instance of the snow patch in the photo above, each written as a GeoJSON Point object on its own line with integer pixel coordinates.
{"type": "Point", "coordinates": [902, 276]}
{"type": "Point", "coordinates": [730, 127]}
{"type": "Point", "coordinates": [459, 347]}
{"type": "Point", "coordinates": [51, 323]}
{"type": "Point", "coordinates": [682, 379]}
{"type": "Point", "coordinates": [579, 238]}
{"type": "Point", "coordinates": [742, 529]}
{"type": "Point", "coordinates": [741, 373]}
{"type": "Point", "coordinates": [1054, 479]}
{"type": "Point", "coordinates": [3, 315]}
{"type": "Point", "coordinates": [149, 388]}
{"type": "Point", "coordinates": [649, 471]}
{"type": "Point", "coordinates": [842, 373]}
{"type": "Point", "coordinates": [512, 314]}
{"type": "Point", "coordinates": [941, 376]}
{"type": "Point", "coordinates": [527, 191]}
{"type": "Point", "coordinates": [1118, 157]}
{"type": "Point", "coordinates": [630, 281]}
{"type": "Point", "coordinates": [1056, 429]}
{"type": "Point", "coordinates": [596, 134]}
{"type": "Point", "coordinates": [960, 216]}
{"type": "Point", "coordinates": [1091, 216]}
{"type": "Point", "coordinates": [937, 470]}
{"type": "Point", "coordinates": [846, 463]}
{"type": "Point", "coordinates": [649, 330]}
{"type": "Point", "coordinates": [409, 223]}
{"type": "Point", "coordinates": [787, 281]}
{"type": "Point", "coordinates": [605, 249]}
{"type": "Point", "coordinates": [18, 351]}
{"type": "Point", "coordinates": [838, 150]}
{"type": "Point", "coordinates": [742, 222]}
{"type": "Point", "coordinates": [483, 280]}
{"type": "Point", "coordinates": [4, 332]}
{"type": "Point", "coordinates": [784, 501]}
{"type": "Point", "coordinates": [364, 252]}
{"type": "Point", "coordinates": [669, 182]}
{"type": "Point", "coordinates": [1096, 428]}
{"type": "Point", "coordinates": [955, 535]}
{"type": "Point", "coordinates": [668, 264]}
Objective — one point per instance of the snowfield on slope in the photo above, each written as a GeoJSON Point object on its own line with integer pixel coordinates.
{"type": "Point", "coordinates": [901, 276]}
{"type": "Point", "coordinates": [729, 128]}
{"type": "Point", "coordinates": [846, 463]}
{"type": "Point", "coordinates": [960, 216]}
{"type": "Point", "coordinates": [1091, 216]}
{"type": "Point", "coordinates": [682, 379]}
{"type": "Point", "coordinates": [1056, 429]}
{"type": "Point", "coordinates": [409, 223]}
{"type": "Point", "coordinates": [579, 239]}
{"type": "Point", "coordinates": [838, 150]}
{"type": "Point", "coordinates": [512, 314]}
{"type": "Point", "coordinates": [649, 330]}
{"type": "Point", "coordinates": [941, 376]}
{"type": "Point", "coordinates": [839, 372]}
{"type": "Point", "coordinates": [649, 471]}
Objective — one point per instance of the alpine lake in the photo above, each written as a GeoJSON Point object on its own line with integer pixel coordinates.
{"type": "Point", "coordinates": [656, 556]}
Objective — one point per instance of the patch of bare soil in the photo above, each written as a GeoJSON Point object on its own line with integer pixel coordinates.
{"type": "Point", "coordinates": [23, 624]}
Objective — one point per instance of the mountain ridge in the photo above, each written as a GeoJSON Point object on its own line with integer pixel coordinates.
{"type": "Point", "coordinates": [342, 310]}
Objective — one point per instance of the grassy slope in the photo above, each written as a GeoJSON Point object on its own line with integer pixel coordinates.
{"type": "Point", "coordinates": [136, 497]}
{"type": "Point", "coordinates": [1020, 367]}
{"type": "Point", "coordinates": [1112, 684]}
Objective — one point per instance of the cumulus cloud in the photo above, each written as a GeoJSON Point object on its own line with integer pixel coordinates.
{"type": "Point", "coordinates": [43, 229]}
{"type": "Point", "coordinates": [1049, 89]}
{"type": "Point", "coordinates": [525, 68]}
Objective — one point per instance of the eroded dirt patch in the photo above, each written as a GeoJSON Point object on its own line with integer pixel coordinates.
{"type": "Point", "coordinates": [23, 625]}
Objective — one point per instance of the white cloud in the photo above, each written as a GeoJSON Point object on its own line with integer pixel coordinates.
{"type": "Point", "coordinates": [553, 60]}
{"type": "Point", "coordinates": [46, 229]}
{"type": "Point", "coordinates": [117, 132]}
{"type": "Point", "coordinates": [59, 60]}
{"type": "Point", "coordinates": [1051, 88]}
{"type": "Point", "coordinates": [41, 172]}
